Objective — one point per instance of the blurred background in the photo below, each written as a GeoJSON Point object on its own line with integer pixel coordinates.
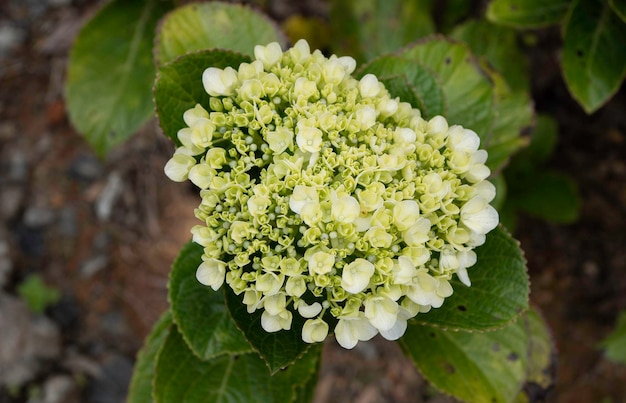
{"type": "Point", "coordinates": [86, 243]}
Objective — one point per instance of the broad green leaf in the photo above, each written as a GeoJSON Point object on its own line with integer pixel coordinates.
{"type": "Point", "coordinates": [499, 290]}
{"type": "Point", "coordinates": [200, 312]}
{"type": "Point", "coordinates": [410, 81]}
{"type": "Point", "coordinates": [527, 13]}
{"type": "Point", "coordinates": [498, 45]}
{"type": "Point", "coordinates": [542, 143]}
{"type": "Point", "coordinates": [466, 86]}
{"type": "Point", "coordinates": [619, 7]}
{"type": "Point", "coordinates": [279, 349]}
{"type": "Point", "coordinates": [110, 72]}
{"type": "Point", "coordinates": [476, 367]}
{"type": "Point", "coordinates": [181, 377]}
{"type": "Point", "coordinates": [179, 86]}
{"type": "Point", "coordinates": [594, 60]}
{"type": "Point", "coordinates": [514, 116]}
{"type": "Point", "coordinates": [615, 344]}
{"type": "Point", "coordinates": [143, 374]}
{"type": "Point", "coordinates": [214, 25]}
{"type": "Point", "coordinates": [550, 195]}
{"type": "Point", "coordinates": [540, 371]}
{"type": "Point", "coordinates": [454, 11]}
{"type": "Point", "coordinates": [369, 28]}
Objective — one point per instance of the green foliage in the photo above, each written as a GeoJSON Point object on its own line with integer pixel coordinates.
{"type": "Point", "coordinates": [37, 295]}
{"type": "Point", "coordinates": [594, 60]}
{"type": "Point", "coordinates": [178, 86]}
{"type": "Point", "coordinates": [214, 25]}
{"type": "Point", "coordinates": [481, 366]}
{"type": "Point", "coordinates": [527, 13]}
{"type": "Point", "coordinates": [615, 344]}
{"type": "Point", "coordinates": [278, 349]}
{"type": "Point", "coordinates": [499, 290]}
{"type": "Point", "coordinates": [366, 29]}
{"type": "Point", "coordinates": [209, 348]}
{"type": "Point", "coordinates": [538, 191]}
{"type": "Point", "coordinates": [440, 76]}
{"type": "Point", "coordinates": [140, 390]}
{"type": "Point", "coordinates": [193, 304]}
{"type": "Point", "coordinates": [498, 45]}
{"type": "Point", "coordinates": [111, 72]}
{"type": "Point", "coordinates": [183, 377]}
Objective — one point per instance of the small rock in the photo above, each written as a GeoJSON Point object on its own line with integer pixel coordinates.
{"type": "Point", "coordinates": [93, 265]}
{"type": "Point", "coordinates": [38, 216]}
{"type": "Point", "coordinates": [18, 166]}
{"type": "Point", "coordinates": [6, 265]}
{"type": "Point", "coordinates": [112, 384]}
{"type": "Point", "coordinates": [58, 389]}
{"type": "Point", "coordinates": [86, 167]}
{"type": "Point", "coordinates": [68, 226]}
{"type": "Point", "coordinates": [11, 197]}
{"type": "Point", "coordinates": [11, 37]}
{"type": "Point", "coordinates": [27, 341]}
{"type": "Point", "coordinates": [109, 196]}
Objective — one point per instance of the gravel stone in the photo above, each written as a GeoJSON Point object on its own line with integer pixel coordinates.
{"type": "Point", "coordinates": [27, 341]}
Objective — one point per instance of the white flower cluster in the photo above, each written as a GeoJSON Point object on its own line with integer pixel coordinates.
{"type": "Point", "coordinates": [324, 197]}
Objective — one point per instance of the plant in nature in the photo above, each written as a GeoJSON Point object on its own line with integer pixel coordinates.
{"type": "Point", "coordinates": [37, 295]}
{"type": "Point", "coordinates": [341, 197]}
{"type": "Point", "coordinates": [593, 60]}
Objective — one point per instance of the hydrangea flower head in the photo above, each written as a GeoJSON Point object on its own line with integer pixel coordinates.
{"type": "Point", "coordinates": [325, 197]}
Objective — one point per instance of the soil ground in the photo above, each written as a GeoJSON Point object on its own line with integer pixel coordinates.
{"type": "Point", "coordinates": [104, 233]}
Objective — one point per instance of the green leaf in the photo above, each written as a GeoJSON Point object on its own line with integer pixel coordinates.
{"type": "Point", "coordinates": [514, 116]}
{"type": "Point", "coordinates": [37, 295]}
{"type": "Point", "coordinates": [454, 11]}
{"type": "Point", "coordinates": [499, 290]}
{"type": "Point", "coordinates": [182, 377]}
{"type": "Point", "coordinates": [541, 368]}
{"type": "Point", "coordinates": [550, 195]}
{"type": "Point", "coordinates": [615, 344]}
{"type": "Point", "coordinates": [110, 72]}
{"type": "Point", "coordinates": [279, 349]}
{"type": "Point", "coordinates": [369, 28]}
{"type": "Point", "coordinates": [466, 87]}
{"type": "Point", "coordinates": [619, 7]}
{"type": "Point", "coordinates": [200, 312]}
{"type": "Point", "coordinates": [594, 61]}
{"type": "Point", "coordinates": [214, 25]}
{"type": "Point", "coordinates": [499, 46]}
{"type": "Point", "coordinates": [476, 367]}
{"type": "Point", "coordinates": [179, 86]}
{"type": "Point", "coordinates": [527, 13]}
{"type": "Point", "coordinates": [143, 374]}
{"type": "Point", "coordinates": [542, 142]}
{"type": "Point", "coordinates": [410, 81]}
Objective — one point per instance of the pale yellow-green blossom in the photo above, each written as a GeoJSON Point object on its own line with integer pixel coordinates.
{"type": "Point", "coordinates": [325, 197]}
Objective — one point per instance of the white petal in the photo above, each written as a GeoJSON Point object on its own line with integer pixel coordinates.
{"type": "Point", "coordinates": [463, 277]}
{"type": "Point", "coordinates": [382, 312]}
{"type": "Point", "coordinates": [309, 311]}
{"type": "Point", "coordinates": [396, 331]}
{"type": "Point", "coordinates": [356, 275]}
{"type": "Point", "coordinates": [211, 272]}
{"type": "Point", "coordinates": [314, 331]}
{"type": "Point", "coordinates": [479, 216]}
{"type": "Point", "coordinates": [345, 335]}
{"type": "Point", "coordinates": [369, 86]}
